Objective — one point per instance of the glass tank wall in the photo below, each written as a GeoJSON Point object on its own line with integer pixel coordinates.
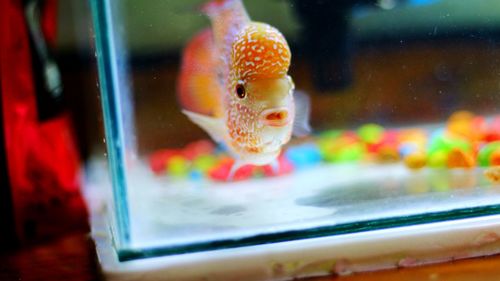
{"type": "Point", "coordinates": [401, 97]}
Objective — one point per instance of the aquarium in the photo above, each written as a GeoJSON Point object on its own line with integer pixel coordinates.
{"type": "Point", "coordinates": [231, 125]}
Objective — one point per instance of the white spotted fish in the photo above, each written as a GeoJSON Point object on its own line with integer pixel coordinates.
{"type": "Point", "coordinates": [234, 84]}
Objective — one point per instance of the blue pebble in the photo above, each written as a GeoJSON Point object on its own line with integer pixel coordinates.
{"type": "Point", "coordinates": [304, 155]}
{"type": "Point", "coordinates": [196, 175]}
{"type": "Point", "coordinates": [221, 148]}
{"type": "Point", "coordinates": [407, 148]}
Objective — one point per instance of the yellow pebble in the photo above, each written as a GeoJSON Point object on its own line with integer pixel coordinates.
{"type": "Point", "coordinates": [387, 155]}
{"type": "Point", "coordinates": [416, 160]}
{"type": "Point", "coordinates": [437, 159]}
{"type": "Point", "coordinates": [177, 166]}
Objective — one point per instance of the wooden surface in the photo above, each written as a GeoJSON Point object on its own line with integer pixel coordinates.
{"type": "Point", "coordinates": [73, 259]}
{"type": "Point", "coordinates": [479, 269]}
{"type": "Point", "coordinates": [69, 259]}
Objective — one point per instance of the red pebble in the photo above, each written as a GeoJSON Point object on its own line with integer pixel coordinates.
{"type": "Point", "coordinates": [285, 167]}
{"type": "Point", "coordinates": [373, 147]}
{"type": "Point", "coordinates": [390, 139]}
{"type": "Point", "coordinates": [244, 172]}
{"type": "Point", "coordinates": [495, 158]}
{"type": "Point", "coordinates": [197, 148]}
{"type": "Point", "coordinates": [158, 160]}
{"type": "Point", "coordinates": [493, 130]}
{"type": "Point", "coordinates": [490, 136]}
{"type": "Point", "coordinates": [480, 127]}
{"type": "Point", "coordinates": [221, 171]}
{"type": "Point", "coordinates": [390, 136]}
{"type": "Point", "coordinates": [223, 168]}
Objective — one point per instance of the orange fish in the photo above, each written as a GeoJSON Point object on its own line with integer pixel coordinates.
{"type": "Point", "coordinates": [234, 84]}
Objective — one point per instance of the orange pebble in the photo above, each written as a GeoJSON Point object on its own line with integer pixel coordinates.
{"type": "Point", "coordinates": [416, 160]}
{"type": "Point", "coordinates": [461, 123]}
{"type": "Point", "coordinates": [495, 158]}
{"type": "Point", "coordinates": [462, 115]}
{"type": "Point", "coordinates": [457, 158]}
{"type": "Point", "coordinates": [462, 128]}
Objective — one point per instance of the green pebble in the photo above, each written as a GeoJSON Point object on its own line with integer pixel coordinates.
{"type": "Point", "coordinates": [324, 145]}
{"type": "Point", "coordinates": [330, 134]}
{"type": "Point", "coordinates": [437, 159]}
{"type": "Point", "coordinates": [328, 149]}
{"type": "Point", "coordinates": [204, 162]}
{"type": "Point", "coordinates": [350, 153]}
{"type": "Point", "coordinates": [371, 133]}
{"type": "Point", "coordinates": [327, 141]}
{"type": "Point", "coordinates": [328, 156]}
{"type": "Point", "coordinates": [485, 153]}
{"type": "Point", "coordinates": [178, 166]}
{"type": "Point", "coordinates": [446, 144]}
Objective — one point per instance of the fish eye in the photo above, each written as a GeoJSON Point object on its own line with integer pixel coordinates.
{"type": "Point", "coordinates": [240, 91]}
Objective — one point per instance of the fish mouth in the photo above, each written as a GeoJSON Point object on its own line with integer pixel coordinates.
{"type": "Point", "coordinates": [275, 117]}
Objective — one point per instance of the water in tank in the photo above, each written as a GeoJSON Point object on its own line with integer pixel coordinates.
{"type": "Point", "coordinates": [232, 123]}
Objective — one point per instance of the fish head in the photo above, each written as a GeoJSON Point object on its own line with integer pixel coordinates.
{"type": "Point", "coordinates": [273, 99]}
{"type": "Point", "coordinates": [260, 108]}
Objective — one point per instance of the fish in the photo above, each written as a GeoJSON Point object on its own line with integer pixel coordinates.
{"type": "Point", "coordinates": [234, 84]}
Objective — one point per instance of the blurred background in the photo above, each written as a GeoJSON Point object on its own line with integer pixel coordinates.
{"type": "Point", "coordinates": [393, 62]}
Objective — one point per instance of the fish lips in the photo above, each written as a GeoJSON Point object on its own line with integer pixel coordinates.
{"type": "Point", "coordinates": [276, 117]}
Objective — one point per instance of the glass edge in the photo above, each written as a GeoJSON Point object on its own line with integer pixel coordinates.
{"type": "Point", "coordinates": [114, 133]}
{"type": "Point", "coordinates": [317, 232]}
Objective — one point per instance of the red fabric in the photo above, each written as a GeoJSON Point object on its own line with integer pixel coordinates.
{"type": "Point", "coordinates": [42, 158]}
{"type": "Point", "coordinates": [49, 23]}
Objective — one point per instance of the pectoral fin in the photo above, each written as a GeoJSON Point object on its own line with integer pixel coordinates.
{"type": "Point", "coordinates": [236, 166]}
{"type": "Point", "coordinates": [301, 125]}
{"type": "Point", "coordinates": [213, 126]}
{"type": "Point", "coordinates": [275, 166]}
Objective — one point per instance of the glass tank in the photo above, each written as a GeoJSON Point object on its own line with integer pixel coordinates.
{"type": "Point", "coordinates": [236, 123]}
